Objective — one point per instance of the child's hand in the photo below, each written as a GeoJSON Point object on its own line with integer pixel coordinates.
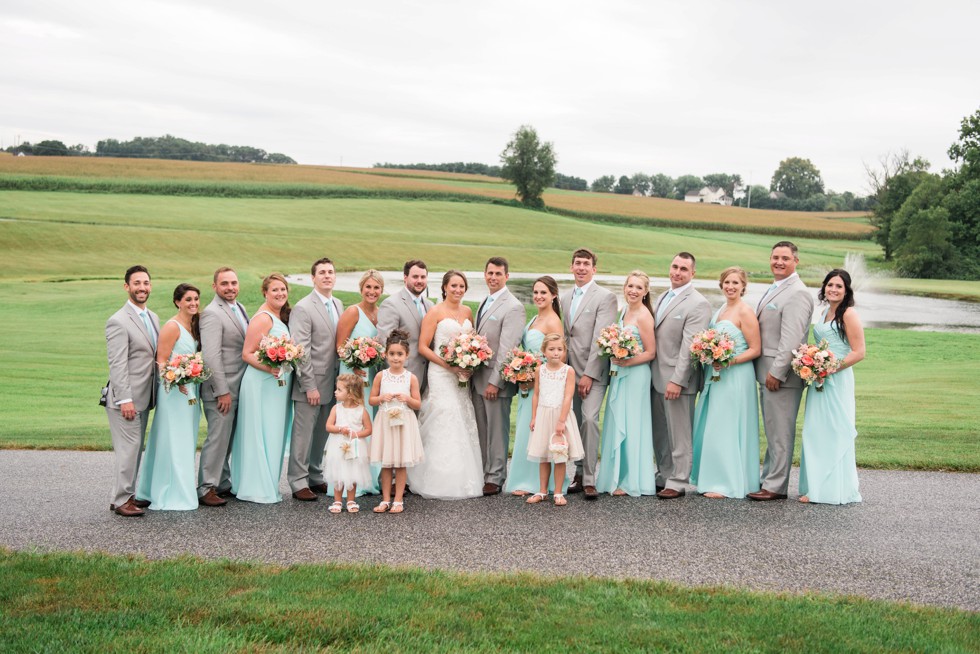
{"type": "Point", "coordinates": [560, 427]}
{"type": "Point", "coordinates": [532, 424]}
{"type": "Point", "coordinates": [402, 397]}
{"type": "Point", "coordinates": [386, 397]}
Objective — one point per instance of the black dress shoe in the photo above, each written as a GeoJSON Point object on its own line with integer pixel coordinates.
{"type": "Point", "coordinates": [765, 495]}
{"type": "Point", "coordinates": [670, 494]}
{"type": "Point", "coordinates": [590, 493]}
{"type": "Point", "coordinates": [322, 489]}
{"type": "Point", "coordinates": [575, 486]}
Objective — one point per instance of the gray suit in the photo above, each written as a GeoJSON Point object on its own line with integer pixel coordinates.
{"type": "Point", "coordinates": [596, 310]}
{"type": "Point", "coordinates": [312, 327]}
{"type": "Point", "coordinates": [133, 376]}
{"type": "Point", "coordinates": [784, 319]}
{"type": "Point", "coordinates": [687, 314]}
{"type": "Point", "coordinates": [399, 312]}
{"type": "Point", "coordinates": [222, 339]}
{"type": "Point", "coordinates": [503, 325]}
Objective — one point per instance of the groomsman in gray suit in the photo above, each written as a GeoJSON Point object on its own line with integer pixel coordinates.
{"type": "Point", "coordinates": [131, 342]}
{"type": "Point", "coordinates": [500, 319]}
{"type": "Point", "coordinates": [587, 308]}
{"type": "Point", "coordinates": [313, 324]}
{"type": "Point", "coordinates": [681, 312]}
{"type": "Point", "coordinates": [223, 326]}
{"type": "Point", "coordinates": [784, 312]}
{"type": "Point", "coordinates": [405, 309]}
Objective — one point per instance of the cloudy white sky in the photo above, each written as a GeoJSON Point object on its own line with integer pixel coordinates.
{"type": "Point", "coordinates": [618, 86]}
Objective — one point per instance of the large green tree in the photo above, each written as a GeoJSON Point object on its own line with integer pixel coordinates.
{"type": "Point", "coordinates": [529, 164]}
{"type": "Point", "coordinates": [603, 184]}
{"type": "Point", "coordinates": [892, 182]}
{"type": "Point", "coordinates": [798, 178]}
{"type": "Point", "coordinates": [661, 185]}
{"type": "Point", "coordinates": [725, 181]}
{"type": "Point", "coordinates": [686, 183]}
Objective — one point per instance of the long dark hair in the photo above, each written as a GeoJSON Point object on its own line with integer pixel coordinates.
{"type": "Point", "coordinates": [845, 304]}
{"type": "Point", "coordinates": [552, 287]}
{"type": "Point", "coordinates": [179, 293]}
{"type": "Point", "coordinates": [278, 277]}
{"type": "Point", "coordinates": [449, 275]}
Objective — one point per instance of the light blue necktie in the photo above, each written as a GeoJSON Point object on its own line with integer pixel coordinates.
{"type": "Point", "coordinates": [485, 308]}
{"type": "Point", "coordinates": [576, 298]}
{"type": "Point", "coordinates": [242, 318]}
{"type": "Point", "coordinates": [150, 329]}
{"type": "Point", "coordinates": [663, 305]}
{"type": "Point", "coordinates": [766, 296]}
{"type": "Point", "coordinates": [331, 311]}
{"type": "Point", "coordinates": [420, 307]}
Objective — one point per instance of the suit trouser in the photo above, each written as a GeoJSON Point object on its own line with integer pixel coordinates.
{"type": "Point", "coordinates": [215, 470]}
{"type": "Point", "coordinates": [673, 422]}
{"type": "Point", "coordinates": [306, 445]}
{"type": "Point", "coordinates": [493, 428]}
{"type": "Point", "coordinates": [588, 412]}
{"type": "Point", "coordinates": [127, 446]}
{"type": "Point", "coordinates": [779, 411]}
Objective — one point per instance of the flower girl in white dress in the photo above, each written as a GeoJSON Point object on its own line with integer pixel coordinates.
{"type": "Point", "coordinates": [347, 460]}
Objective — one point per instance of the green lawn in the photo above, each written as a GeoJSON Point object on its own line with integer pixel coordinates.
{"type": "Point", "coordinates": [98, 603]}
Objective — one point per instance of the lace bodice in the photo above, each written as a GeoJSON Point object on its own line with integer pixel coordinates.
{"type": "Point", "coordinates": [395, 384]}
{"type": "Point", "coordinates": [352, 417]}
{"type": "Point", "coordinates": [552, 391]}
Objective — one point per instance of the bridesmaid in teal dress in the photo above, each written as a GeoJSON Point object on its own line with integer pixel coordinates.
{"type": "Point", "coordinates": [264, 408]}
{"type": "Point", "coordinates": [523, 477]}
{"type": "Point", "coordinates": [828, 469]}
{"type": "Point", "coordinates": [167, 475]}
{"type": "Point", "coordinates": [726, 421]}
{"type": "Point", "coordinates": [626, 460]}
{"type": "Point", "coordinates": [359, 320]}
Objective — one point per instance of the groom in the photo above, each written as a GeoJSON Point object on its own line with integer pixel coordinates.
{"type": "Point", "coordinates": [500, 319]}
{"type": "Point", "coordinates": [784, 312]}
{"type": "Point", "coordinates": [405, 309]}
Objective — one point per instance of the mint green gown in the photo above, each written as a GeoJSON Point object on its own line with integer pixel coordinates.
{"type": "Point", "coordinates": [626, 456]}
{"type": "Point", "coordinates": [168, 477]}
{"type": "Point", "coordinates": [364, 327]}
{"type": "Point", "coordinates": [828, 469]}
{"type": "Point", "coordinates": [265, 415]}
{"type": "Point", "coordinates": [726, 426]}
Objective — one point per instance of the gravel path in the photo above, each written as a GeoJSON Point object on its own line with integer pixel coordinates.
{"type": "Point", "coordinates": [916, 537]}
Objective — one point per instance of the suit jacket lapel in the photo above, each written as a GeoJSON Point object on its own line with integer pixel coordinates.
{"type": "Point", "coordinates": [673, 303]}
{"type": "Point", "coordinates": [409, 302]}
{"type": "Point", "coordinates": [322, 309]}
{"type": "Point", "coordinates": [139, 324]}
{"type": "Point", "coordinates": [230, 312]}
{"type": "Point", "coordinates": [493, 307]}
{"type": "Point", "coordinates": [779, 289]}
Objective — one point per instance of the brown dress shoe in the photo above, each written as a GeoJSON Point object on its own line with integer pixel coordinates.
{"type": "Point", "coordinates": [225, 494]}
{"type": "Point", "coordinates": [670, 494]}
{"type": "Point", "coordinates": [305, 495]}
{"type": "Point", "coordinates": [575, 486]}
{"type": "Point", "coordinates": [211, 499]}
{"type": "Point", "coordinates": [129, 509]}
{"type": "Point", "coordinates": [141, 504]}
{"type": "Point", "coordinates": [590, 493]}
{"type": "Point", "coordinates": [765, 495]}
{"type": "Point", "coordinates": [322, 489]}
{"type": "Point", "coordinates": [491, 489]}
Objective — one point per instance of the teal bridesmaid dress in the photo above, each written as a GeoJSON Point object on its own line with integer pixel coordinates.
{"type": "Point", "coordinates": [726, 426]}
{"type": "Point", "coordinates": [626, 458]}
{"type": "Point", "coordinates": [828, 469]}
{"type": "Point", "coordinates": [168, 477]}
{"type": "Point", "coordinates": [364, 327]}
{"type": "Point", "coordinates": [265, 415]}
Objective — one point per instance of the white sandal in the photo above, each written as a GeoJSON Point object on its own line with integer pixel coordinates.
{"type": "Point", "coordinates": [560, 500]}
{"type": "Point", "coordinates": [382, 507]}
{"type": "Point", "coordinates": [353, 507]}
{"type": "Point", "coordinates": [335, 507]}
{"type": "Point", "coordinates": [537, 497]}
{"type": "Point", "coordinates": [397, 507]}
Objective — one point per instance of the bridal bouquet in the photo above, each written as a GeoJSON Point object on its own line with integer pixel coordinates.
{"type": "Point", "coordinates": [361, 353]}
{"type": "Point", "coordinates": [183, 370]}
{"type": "Point", "coordinates": [519, 368]}
{"type": "Point", "coordinates": [279, 352]}
{"type": "Point", "coordinates": [712, 346]}
{"type": "Point", "coordinates": [467, 350]}
{"type": "Point", "coordinates": [617, 342]}
{"type": "Point", "coordinates": [814, 362]}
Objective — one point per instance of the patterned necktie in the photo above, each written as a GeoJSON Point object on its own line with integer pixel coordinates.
{"type": "Point", "coordinates": [150, 329]}
{"type": "Point", "coordinates": [663, 305]}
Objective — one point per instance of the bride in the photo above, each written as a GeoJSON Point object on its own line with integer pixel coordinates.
{"type": "Point", "coordinates": [453, 467]}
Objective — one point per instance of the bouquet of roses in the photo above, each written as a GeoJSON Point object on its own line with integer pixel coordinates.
{"type": "Point", "coordinates": [814, 362]}
{"type": "Point", "coordinates": [361, 353]}
{"type": "Point", "coordinates": [617, 342]}
{"type": "Point", "coordinates": [184, 370]}
{"type": "Point", "coordinates": [712, 346]}
{"type": "Point", "coordinates": [467, 350]}
{"type": "Point", "coordinates": [519, 367]}
{"type": "Point", "coordinates": [279, 352]}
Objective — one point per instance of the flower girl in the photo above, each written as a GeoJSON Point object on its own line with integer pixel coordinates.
{"type": "Point", "coordinates": [554, 432]}
{"type": "Point", "coordinates": [347, 461]}
{"type": "Point", "coordinates": [396, 444]}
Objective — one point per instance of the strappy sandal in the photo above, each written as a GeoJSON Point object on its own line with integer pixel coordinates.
{"type": "Point", "coordinates": [397, 507]}
{"type": "Point", "coordinates": [537, 497]}
{"type": "Point", "coordinates": [382, 507]}
{"type": "Point", "coordinates": [335, 507]}
{"type": "Point", "coordinates": [560, 500]}
{"type": "Point", "coordinates": [352, 507]}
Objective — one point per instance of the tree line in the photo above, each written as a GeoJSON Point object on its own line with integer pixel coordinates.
{"type": "Point", "coordinates": [474, 168]}
{"type": "Point", "coordinates": [155, 147]}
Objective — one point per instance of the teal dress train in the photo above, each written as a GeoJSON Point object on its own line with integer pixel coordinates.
{"type": "Point", "coordinates": [626, 457]}
{"type": "Point", "coordinates": [726, 426]}
{"type": "Point", "coordinates": [364, 327]}
{"type": "Point", "coordinates": [265, 415]}
{"type": "Point", "coordinates": [828, 469]}
{"type": "Point", "coordinates": [168, 476]}
{"type": "Point", "coordinates": [524, 475]}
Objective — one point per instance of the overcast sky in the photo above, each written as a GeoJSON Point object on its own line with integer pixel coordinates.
{"type": "Point", "coordinates": [617, 86]}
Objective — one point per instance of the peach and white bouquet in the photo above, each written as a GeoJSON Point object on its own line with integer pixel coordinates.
{"type": "Point", "coordinates": [466, 350]}
{"type": "Point", "coordinates": [279, 352]}
{"type": "Point", "coordinates": [519, 368]}
{"type": "Point", "coordinates": [617, 342]}
{"type": "Point", "coordinates": [361, 353]}
{"type": "Point", "coordinates": [185, 370]}
{"type": "Point", "coordinates": [713, 347]}
{"type": "Point", "coordinates": [814, 362]}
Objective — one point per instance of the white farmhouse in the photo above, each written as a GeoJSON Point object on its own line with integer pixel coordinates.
{"type": "Point", "coordinates": [709, 195]}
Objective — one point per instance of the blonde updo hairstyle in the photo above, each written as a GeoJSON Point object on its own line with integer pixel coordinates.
{"type": "Point", "coordinates": [737, 271]}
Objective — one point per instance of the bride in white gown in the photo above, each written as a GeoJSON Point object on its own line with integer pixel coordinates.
{"type": "Point", "coordinates": [453, 465]}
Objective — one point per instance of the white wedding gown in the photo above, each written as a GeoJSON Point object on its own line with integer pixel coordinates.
{"type": "Point", "coordinates": [453, 465]}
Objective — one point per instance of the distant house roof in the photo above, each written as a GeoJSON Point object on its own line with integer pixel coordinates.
{"type": "Point", "coordinates": [777, 195]}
